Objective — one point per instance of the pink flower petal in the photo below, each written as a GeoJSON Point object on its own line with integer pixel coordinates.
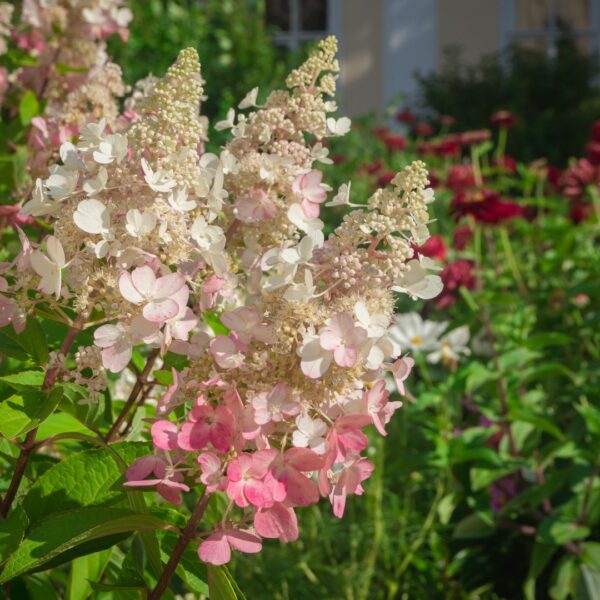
{"type": "Point", "coordinates": [215, 549]}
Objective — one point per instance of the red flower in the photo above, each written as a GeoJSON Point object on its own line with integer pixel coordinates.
{"type": "Point", "coordinates": [579, 212]}
{"type": "Point", "coordinates": [503, 118]}
{"type": "Point", "coordinates": [371, 168]}
{"type": "Point", "coordinates": [434, 247]}
{"type": "Point", "coordinates": [462, 236]}
{"type": "Point", "coordinates": [425, 148]}
{"type": "Point", "coordinates": [554, 176]}
{"type": "Point", "coordinates": [475, 137]}
{"type": "Point", "coordinates": [459, 178]}
{"type": "Point", "coordinates": [595, 131]}
{"type": "Point", "coordinates": [454, 276]}
{"type": "Point", "coordinates": [447, 120]}
{"type": "Point", "coordinates": [508, 163]}
{"type": "Point", "coordinates": [395, 142]}
{"type": "Point", "coordinates": [592, 152]}
{"type": "Point", "coordinates": [405, 116]}
{"type": "Point", "coordinates": [423, 129]}
{"type": "Point", "coordinates": [381, 132]}
{"type": "Point", "coordinates": [447, 147]}
{"type": "Point", "coordinates": [577, 177]}
{"type": "Point", "coordinates": [385, 178]}
{"type": "Point", "coordinates": [484, 206]}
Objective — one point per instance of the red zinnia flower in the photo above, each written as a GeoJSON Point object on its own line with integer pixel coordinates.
{"type": "Point", "coordinates": [434, 247]}
{"type": "Point", "coordinates": [385, 178]}
{"type": "Point", "coordinates": [423, 129]}
{"type": "Point", "coordinates": [454, 276]}
{"type": "Point", "coordinates": [578, 176]}
{"type": "Point", "coordinates": [592, 152]}
{"type": "Point", "coordinates": [405, 116]}
{"type": "Point", "coordinates": [484, 206]}
{"type": "Point", "coordinates": [595, 131]}
{"type": "Point", "coordinates": [460, 177]}
{"type": "Point", "coordinates": [475, 137]}
{"type": "Point", "coordinates": [395, 142]}
{"type": "Point", "coordinates": [371, 168]}
{"type": "Point", "coordinates": [508, 163]}
{"type": "Point", "coordinates": [503, 118]}
{"type": "Point", "coordinates": [462, 236]}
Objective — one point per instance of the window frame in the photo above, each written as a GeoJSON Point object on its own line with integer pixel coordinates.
{"type": "Point", "coordinates": [296, 36]}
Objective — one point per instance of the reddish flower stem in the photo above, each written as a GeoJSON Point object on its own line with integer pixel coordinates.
{"type": "Point", "coordinates": [135, 391]}
{"type": "Point", "coordinates": [188, 533]}
{"type": "Point", "coordinates": [28, 445]}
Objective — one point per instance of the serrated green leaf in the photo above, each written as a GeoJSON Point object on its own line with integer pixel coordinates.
{"type": "Point", "coordinates": [24, 379]}
{"type": "Point", "coordinates": [61, 422]}
{"type": "Point", "coordinates": [68, 530]}
{"type": "Point", "coordinates": [31, 341]}
{"type": "Point", "coordinates": [23, 412]}
{"type": "Point", "coordinates": [85, 478]}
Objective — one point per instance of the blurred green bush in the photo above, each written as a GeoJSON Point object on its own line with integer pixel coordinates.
{"type": "Point", "coordinates": [555, 99]}
{"type": "Point", "coordinates": [235, 46]}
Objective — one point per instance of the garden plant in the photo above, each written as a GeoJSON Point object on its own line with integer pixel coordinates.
{"type": "Point", "coordinates": [213, 334]}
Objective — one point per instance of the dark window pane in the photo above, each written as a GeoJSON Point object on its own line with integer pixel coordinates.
{"type": "Point", "coordinates": [278, 14]}
{"type": "Point", "coordinates": [313, 15]}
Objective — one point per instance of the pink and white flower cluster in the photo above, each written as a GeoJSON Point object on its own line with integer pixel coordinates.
{"type": "Point", "coordinates": [219, 262]}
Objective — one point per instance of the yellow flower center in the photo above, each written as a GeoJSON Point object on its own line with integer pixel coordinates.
{"type": "Point", "coordinates": [416, 341]}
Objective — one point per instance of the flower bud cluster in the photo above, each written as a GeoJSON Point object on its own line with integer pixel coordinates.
{"type": "Point", "coordinates": [286, 335]}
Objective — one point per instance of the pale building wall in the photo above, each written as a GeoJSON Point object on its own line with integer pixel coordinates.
{"type": "Point", "coordinates": [469, 25]}
{"type": "Point", "coordinates": [361, 56]}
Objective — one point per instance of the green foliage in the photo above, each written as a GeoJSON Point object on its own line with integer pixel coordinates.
{"type": "Point", "coordinates": [234, 45]}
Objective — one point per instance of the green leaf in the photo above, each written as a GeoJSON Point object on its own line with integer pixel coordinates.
{"type": "Point", "coordinates": [23, 412]}
{"type": "Point", "coordinates": [214, 322]}
{"type": "Point", "coordinates": [559, 530]}
{"type": "Point", "coordinates": [89, 413]}
{"type": "Point", "coordinates": [219, 584]}
{"type": "Point", "coordinates": [517, 358]}
{"type": "Point", "coordinates": [587, 584]}
{"type": "Point", "coordinates": [24, 379]}
{"type": "Point", "coordinates": [540, 557]}
{"type": "Point", "coordinates": [8, 347]}
{"type": "Point", "coordinates": [12, 531]}
{"type": "Point", "coordinates": [61, 422]}
{"type": "Point", "coordinates": [68, 530]}
{"type": "Point", "coordinates": [522, 414]}
{"type": "Point", "coordinates": [477, 376]}
{"type": "Point", "coordinates": [163, 377]}
{"type": "Point", "coordinates": [84, 571]}
{"type": "Point", "coordinates": [562, 578]}
{"type": "Point", "coordinates": [472, 527]}
{"type": "Point", "coordinates": [591, 555]}
{"type": "Point", "coordinates": [29, 107]}
{"type": "Point", "coordinates": [30, 342]}
{"type": "Point", "coordinates": [481, 478]}
{"type": "Point", "coordinates": [83, 479]}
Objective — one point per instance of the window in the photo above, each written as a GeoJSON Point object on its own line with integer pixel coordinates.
{"type": "Point", "coordinates": [541, 23]}
{"type": "Point", "coordinates": [298, 21]}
